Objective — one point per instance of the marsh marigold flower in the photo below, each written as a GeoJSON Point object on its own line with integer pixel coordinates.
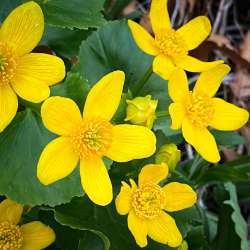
{"type": "Point", "coordinates": [195, 111]}
{"type": "Point", "coordinates": [147, 202]}
{"type": "Point", "coordinates": [170, 47]}
{"type": "Point", "coordinates": [25, 74]}
{"type": "Point", "coordinates": [33, 235]}
{"type": "Point", "coordinates": [141, 111]}
{"type": "Point", "coordinates": [89, 137]}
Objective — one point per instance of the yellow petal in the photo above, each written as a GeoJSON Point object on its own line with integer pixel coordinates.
{"type": "Point", "coordinates": [36, 236]}
{"type": "Point", "coordinates": [228, 116]}
{"type": "Point", "coordinates": [138, 228]}
{"type": "Point", "coordinates": [8, 105]}
{"type": "Point", "coordinates": [143, 39]}
{"type": "Point", "coordinates": [163, 66]}
{"type": "Point", "coordinates": [164, 230]}
{"type": "Point", "coordinates": [159, 16]}
{"type": "Point", "coordinates": [95, 181]}
{"type": "Point", "coordinates": [123, 199]}
{"type": "Point", "coordinates": [178, 196]}
{"type": "Point", "coordinates": [10, 211]}
{"type": "Point", "coordinates": [41, 67]}
{"type": "Point", "coordinates": [23, 28]}
{"type": "Point", "coordinates": [60, 115]}
{"type": "Point", "coordinates": [192, 64]}
{"type": "Point", "coordinates": [153, 173]}
{"type": "Point", "coordinates": [57, 161]}
{"type": "Point", "coordinates": [202, 140]}
{"type": "Point", "coordinates": [178, 86]}
{"type": "Point", "coordinates": [131, 142]}
{"type": "Point", "coordinates": [195, 31]}
{"type": "Point", "coordinates": [104, 97]}
{"type": "Point", "coordinates": [176, 111]}
{"type": "Point", "coordinates": [209, 81]}
{"type": "Point", "coordinates": [29, 88]}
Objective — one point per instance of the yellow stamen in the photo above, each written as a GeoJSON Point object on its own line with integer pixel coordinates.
{"type": "Point", "coordinates": [10, 236]}
{"type": "Point", "coordinates": [199, 109]}
{"type": "Point", "coordinates": [148, 201]}
{"type": "Point", "coordinates": [92, 138]}
{"type": "Point", "coordinates": [7, 63]}
{"type": "Point", "coordinates": [171, 43]}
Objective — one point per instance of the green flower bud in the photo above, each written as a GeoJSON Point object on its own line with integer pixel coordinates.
{"type": "Point", "coordinates": [183, 246]}
{"type": "Point", "coordinates": [170, 154]}
{"type": "Point", "coordinates": [141, 111]}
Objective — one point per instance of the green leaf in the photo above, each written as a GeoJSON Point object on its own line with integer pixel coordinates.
{"type": "Point", "coordinates": [6, 6]}
{"type": "Point", "coordinates": [229, 138]}
{"type": "Point", "coordinates": [20, 147]}
{"type": "Point", "coordinates": [81, 14]}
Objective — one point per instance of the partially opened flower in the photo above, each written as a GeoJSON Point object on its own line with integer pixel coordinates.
{"type": "Point", "coordinates": [89, 137]}
{"type": "Point", "coordinates": [33, 235]}
{"type": "Point", "coordinates": [147, 202]}
{"type": "Point", "coordinates": [195, 111]}
{"type": "Point", "coordinates": [25, 74]}
{"type": "Point", "coordinates": [170, 47]}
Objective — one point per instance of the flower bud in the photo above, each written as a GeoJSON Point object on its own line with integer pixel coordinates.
{"type": "Point", "coordinates": [170, 154]}
{"type": "Point", "coordinates": [141, 111]}
{"type": "Point", "coordinates": [183, 246]}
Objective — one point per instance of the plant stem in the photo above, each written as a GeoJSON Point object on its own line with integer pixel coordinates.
{"type": "Point", "coordinates": [163, 113]}
{"type": "Point", "coordinates": [137, 87]}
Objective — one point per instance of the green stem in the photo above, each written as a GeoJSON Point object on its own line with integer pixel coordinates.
{"type": "Point", "coordinates": [160, 114]}
{"type": "Point", "coordinates": [137, 87]}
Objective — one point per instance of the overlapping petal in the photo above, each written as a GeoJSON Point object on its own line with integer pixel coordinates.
{"type": "Point", "coordinates": [95, 180]}
{"type": "Point", "coordinates": [104, 97]}
{"type": "Point", "coordinates": [131, 142]}
{"type": "Point", "coordinates": [23, 28]}
{"type": "Point", "coordinates": [163, 66]}
{"type": "Point", "coordinates": [57, 161]}
{"type": "Point", "coordinates": [177, 114]}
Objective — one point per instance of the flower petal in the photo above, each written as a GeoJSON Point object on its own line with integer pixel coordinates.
{"type": "Point", "coordinates": [138, 227]}
{"type": "Point", "coordinates": [29, 88]}
{"type": "Point", "coordinates": [202, 140]}
{"type": "Point", "coordinates": [123, 199]}
{"type": "Point", "coordinates": [178, 86]}
{"type": "Point", "coordinates": [153, 173]}
{"type": "Point", "coordinates": [209, 81]}
{"type": "Point", "coordinates": [95, 181]}
{"type": "Point", "coordinates": [195, 31]}
{"type": "Point", "coordinates": [10, 211]}
{"type": "Point", "coordinates": [36, 236]}
{"type": "Point", "coordinates": [192, 64]}
{"type": "Point", "coordinates": [163, 66]}
{"type": "Point", "coordinates": [159, 16]}
{"type": "Point", "coordinates": [178, 196]}
{"type": "Point", "coordinates": [60, 115]}
{"type": "Point", "coordinates": [104, 97]}
{"type": "Point", "coordinates": [164, 230]}
{"type": "Point", "coordinates": [131, 142]}
{"type": "Point", "coordinates": [228, 116]}
{"type": "Point", "coordinates": [8, 105]}
{"type": "Point", "coordinates": [41, 67]}
{"type": "Point", "coordinates": [57, 161]}
{"type": "Point", "coordinates": [23, 28]}
{"type": "Point", "coordinates": [176, 111]}
{"type": "Point", "coordinates": [143, 39]}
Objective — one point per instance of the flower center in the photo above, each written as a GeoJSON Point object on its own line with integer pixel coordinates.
{"type": "Point", "coordinates": [92, 138]}
{"type": "Point", "coordinates": [200, 109]}
{"type": "Point", "coordinates": [7, 63]}
{"type": "Point", "coordinates": [148, 201]}
{"type": "Point", "coordinates": [10, 236]}
{"type": "Point", "coordinates": [171, 43]}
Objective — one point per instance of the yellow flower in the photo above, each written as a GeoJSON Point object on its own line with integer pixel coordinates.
{"type": "Point", "coordinates": [145, 205]}
{"type": "Point", "coordinates": [90, 137]}
{"type": "Point", "coordinates": [141, 111]}
{"type": "Point", "coordinates": [34, 235]}
{"type": "Point", "coordinates": [25, 74]}
{"type": "Point", "coordinates": [194, 111]}
{"type": "Point", "coordinates": [170, 47]}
